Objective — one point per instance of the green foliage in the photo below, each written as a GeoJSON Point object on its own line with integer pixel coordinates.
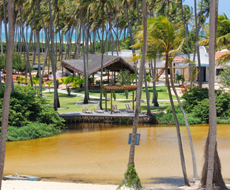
{"type": "Point", "coordinates": [148, 78]}
{"type": "Point", "coordinates": [131, 179]}
{"type": "Point", "coordinates": [31, 131]}
{"type": "Point", "coordinates": [3, 61]}
{"type": "Point", "coordinates": [225, 76]}
{"type": "Point", "coordinates": [179, 79]}
{"type": "Point", "coordinates": [19, 64]}
{"type": "Point", "coordinates": [193, 96]}
{"type": "Point", "coordinates": [132, 77]}
{"type": "Point", "coordinates": [126, 92]}
{"type": "Point", "coordinates": [49, 85]}
{"type": "Point", "coordinates": [103, 92]}
{"type": "Point", "coordinates": [114, 95]}
{"type": "Point", "coordinates": [68, 90]}
{"type": "Point", "coordinates": [77, 82]}
{"type": "Point", "coordinates": [27, 107]}
{"type": "Point", "coordinates": [20, 80]}
{"type": "Point", "coordinates": [124, 77]}
{"type": "Point", "coordinates": [201, 110]}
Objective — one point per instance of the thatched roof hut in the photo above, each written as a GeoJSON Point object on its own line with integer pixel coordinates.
{"type": "Point", "coordinates": [111, 63]}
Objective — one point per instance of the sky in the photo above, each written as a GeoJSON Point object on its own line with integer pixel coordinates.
{"type": "Point", "coordinates": [223, 6]}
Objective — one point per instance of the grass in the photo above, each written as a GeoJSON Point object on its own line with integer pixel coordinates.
{"type": "Point", "coordinates": [70, 101]}
{"type": "Point", "coordinates": [162, 93]}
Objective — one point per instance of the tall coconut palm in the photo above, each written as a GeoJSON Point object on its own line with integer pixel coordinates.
{"type": "Point", "coordinates": [211, 173]}
{"type": "Point", "coordinates": [168, 36]}
{"type": "Point", "coordinates": [98, 10]}
{"type": "Point", "coordinates": [7, 92]}
{"type": "Point", "coordinates": [135, 180]}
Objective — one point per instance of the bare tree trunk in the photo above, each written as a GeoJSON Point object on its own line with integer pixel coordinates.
{"type": "Point", "coordinates": [52, 57]}
{"type": "Point", "coordinates": [85, 64]}
{"type": "Point", "coordinates": [186, 181]}
{"type": "Point", "coordinates": [154, 83]}
{"type": "Point", "coordinates": [195, 174]}
{"type": "Point", "coordinates": [186, 38]}
{"type": "Point", "coordinates": [139, 86]}
{"type": "Point", "coordinates": [1, 38]}
{"type": "Point", "coordinates": [197, 47]}
{"type": "Point", "coordinates": [102, 59]}
{"type": "Point", "coordinates": [212, 168]}
{"type": "Point", "coordinates": [7, 92]}
{"type": "Point", "coordinates": [147, 94]}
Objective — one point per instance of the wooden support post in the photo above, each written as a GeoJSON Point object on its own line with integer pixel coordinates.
{"type": "Point", "coordinates": [183, 71]}
{"type": "Point", "coordinates": [93, 81]}
{"type": "Point", "coordinates": [133, 99]}
{"type": "Point", "coordinates": [111, 101]}
{"type": "Point", "coordinates": [108, 76]}
{"type": "Point", "coordinates": [61, 71]}
{"type": "Point", "coordinates": [105, 99]}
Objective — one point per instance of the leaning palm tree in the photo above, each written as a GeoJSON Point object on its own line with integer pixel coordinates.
{"type": "Point", "coordinates": [7, 92]}
{"type": "Point", "coordinates": [131, 175]}
{"type": "Point", "coordinates": [165, 35]}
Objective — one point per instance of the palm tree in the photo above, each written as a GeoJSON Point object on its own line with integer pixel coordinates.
{"type": "Point", "coordinates": [168, 36]}
{"type": "Point", "coordinates": [7, 92]}
{"type": "Point", "coordinates": [211, 173]}
{"type": "Point", "coordinates": [136, 183]}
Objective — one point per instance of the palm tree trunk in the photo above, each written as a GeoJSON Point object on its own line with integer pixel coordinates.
{"type": "Point", "coordinates": [102, 59]}
{"type": "Point", "coordinates": [147, 93]}
{"type": "Point", "coordinates": [186, 38]}
{"type": "Point", "coordinates": [212, 166]}
{"type": "Point", "coordinates": [7, 92]}
{"type": "Point", "coordinates": [195, 174]}
{"type": "Point", "coordinates": [1, 38]}
{"type": "Point", "coordinates": [154, 83]}
{"type": "Point", "coordinates": [52, 57]}
{"type": "Point", "coordinates": [197, 46]}
{"type": "Point", "coordinates": [139, 86]}
{"type": "Point", "coordinates": [186, 181]}
{"type": "Point", "coordinates": [85, 64]}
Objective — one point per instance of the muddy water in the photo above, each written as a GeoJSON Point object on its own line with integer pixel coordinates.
{"type": "Point", "coordinates": [98, 153]}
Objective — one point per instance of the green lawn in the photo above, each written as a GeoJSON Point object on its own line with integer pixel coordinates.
{"type": "Point", "coordinates": [162, 93]}
{"type": "Point", "coordinates": [70, 101]}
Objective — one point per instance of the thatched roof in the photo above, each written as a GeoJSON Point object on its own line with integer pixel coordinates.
{"type": "Point", "coordinates": [112, 63]}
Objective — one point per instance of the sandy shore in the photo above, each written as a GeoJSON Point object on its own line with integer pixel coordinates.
{"type": "Point", "coordinates": [41, 185]}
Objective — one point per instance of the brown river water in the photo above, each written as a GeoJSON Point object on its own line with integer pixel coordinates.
{"type": "Point", "coordinates": [98, 153]}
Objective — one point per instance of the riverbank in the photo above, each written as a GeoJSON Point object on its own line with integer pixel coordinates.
{"type": "Point", "coordinates": [41, 185]}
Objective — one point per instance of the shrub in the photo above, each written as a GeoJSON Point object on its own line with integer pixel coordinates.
{"type": "Point", "coordinates": [201, 110]}
{"type": "Point", "coordinates": [31, 131]}
{"type": "Point", "coordinates": [26, 107]}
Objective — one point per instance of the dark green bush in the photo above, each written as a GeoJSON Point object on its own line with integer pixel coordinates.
{"type": "Point", "coordinates": [31, 131]}
{"type": "Point", "coordinates": [27, 106]}
{"type": "Point", "coordinates": [192, 97]}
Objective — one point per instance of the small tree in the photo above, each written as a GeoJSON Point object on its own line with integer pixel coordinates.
{"type": "Point", "coordinates": [77, 82]}
{"type": "Point", "coordinates": [66, 81]}
{"type": "Point", "coordinates": [49, 85]}
{"type": "Point", "coordinates": [124, 77]}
